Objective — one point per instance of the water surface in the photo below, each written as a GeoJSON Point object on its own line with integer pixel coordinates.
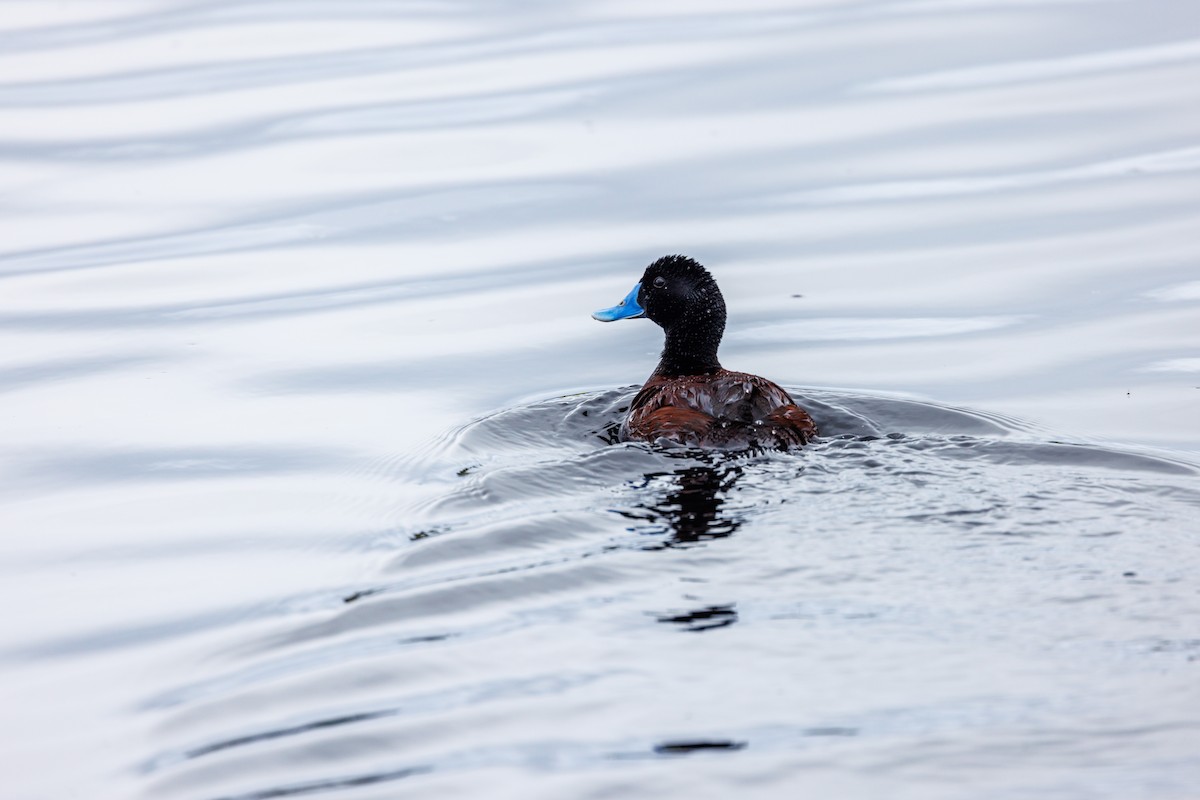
{"type": "Point", "coordinates": [309, 481]}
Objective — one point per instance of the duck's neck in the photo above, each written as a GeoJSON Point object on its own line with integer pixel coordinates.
{"type": "Point", "coordinates": [691, 348]}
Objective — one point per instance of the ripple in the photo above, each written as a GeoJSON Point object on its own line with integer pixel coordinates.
{"type": "Point", "coordinates": [327, 231]}
{"type": "Point", "coordinates": [870, 328]}
{"type": "Point", "coordinates": [544, 524]}
{"type": "Point", "coordinates": [1044, 69]}
{"type": "Point", "coordinates": [1164, 162]}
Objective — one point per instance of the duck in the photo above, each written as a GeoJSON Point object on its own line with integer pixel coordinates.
{"type": "Point", "coordinates": [690, 399]}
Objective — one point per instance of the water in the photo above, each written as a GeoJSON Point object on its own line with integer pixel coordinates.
{"type": "Point", "coordinates": [308, 477]}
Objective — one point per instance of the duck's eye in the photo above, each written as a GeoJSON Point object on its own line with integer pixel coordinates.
{"type": "Point", "coordinates": [660, 282]}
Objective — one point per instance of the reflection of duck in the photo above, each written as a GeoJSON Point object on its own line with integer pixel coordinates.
{"type": "Point", "coordinates": [690, 399]}
{"type": "Point", "coordinates": [691, 509]}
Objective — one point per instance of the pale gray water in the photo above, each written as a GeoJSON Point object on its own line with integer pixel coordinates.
{"type": "Point", "coordinates": [300, 495]}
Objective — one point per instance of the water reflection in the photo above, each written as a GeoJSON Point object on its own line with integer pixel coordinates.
{"type": "Point", "coordinates": [691, 509]}
{"type": "Point", "coordinates": [522, 549]}
{"type": "Point", "coordinates": [703, 619]}
{"type": "Point", "coordinates": [261, 251]}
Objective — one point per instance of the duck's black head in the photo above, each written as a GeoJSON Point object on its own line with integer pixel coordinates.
{"type": "Point", "coordinates": [679, 295]}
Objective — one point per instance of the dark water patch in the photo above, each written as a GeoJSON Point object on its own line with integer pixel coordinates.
{"type": "Point", "coordinates": [687, 747]}
{"type": "Point", "coordinates": [332, 784]}
{"type": "Point", "coordinates": [359, 595]}
{"type": "Point", "coordinates": [689, 505]}
{"type": "Point", "coordinates": [702, 619]}
{"type": "Point", "coordinates": [263, 736]}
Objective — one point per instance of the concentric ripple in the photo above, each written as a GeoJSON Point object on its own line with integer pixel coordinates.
{"type": "Point", "coordinates": [866, 548]}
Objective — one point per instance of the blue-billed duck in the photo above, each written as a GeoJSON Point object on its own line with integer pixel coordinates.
{"type": "Point", "coordinates": [690, 399]}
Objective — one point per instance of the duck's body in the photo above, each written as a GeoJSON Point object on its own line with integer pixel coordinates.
{"type": "Point", "coordinates": [724, 409]}
{"type": "Point", "coordinates": [691, 399]}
